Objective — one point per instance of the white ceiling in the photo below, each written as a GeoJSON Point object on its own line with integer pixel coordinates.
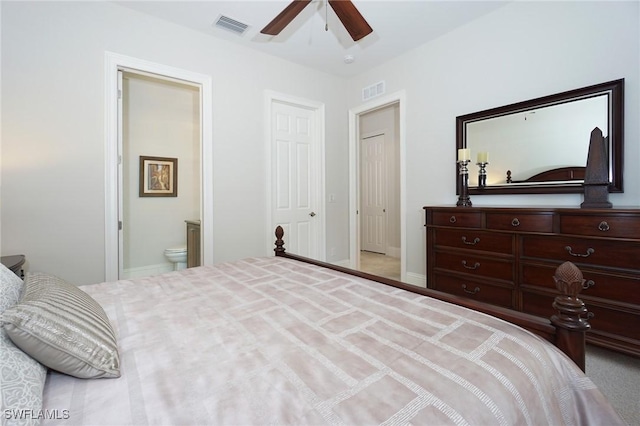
{"type": "Point", "coordinates": [398, 26]}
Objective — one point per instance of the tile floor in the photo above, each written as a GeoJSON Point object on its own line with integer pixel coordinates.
{"type": "Point", "coordinates": [380, 264]}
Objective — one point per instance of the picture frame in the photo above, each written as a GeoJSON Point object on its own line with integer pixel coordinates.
{"type": "Point", "coordinates": [158, 177]}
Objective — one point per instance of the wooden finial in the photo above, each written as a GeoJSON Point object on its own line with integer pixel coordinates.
{"type": "Point", "coordinates": [279, 242]}
{"type": "Point", "coordinates": [569, 321]}
{"type": "Point", "coordinates": [569, 280]}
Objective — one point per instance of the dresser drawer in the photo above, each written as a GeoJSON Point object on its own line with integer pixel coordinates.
{"type": "Point", "coordinates": [613, 226]}
{"type": "Point", "coordinates": [603, 319]}
{"type": "Point", "coordinates": [458, 218]}
{"type": "Point", "coordinates": [615, 287]}
{"type": "Point", "coordinates": [470, 263]}
{"type": "Point", "coordinates": [538, 304]}
{"type": "Point", "coordinates": [479, 290]}
{"type": "Point", "coordinates": [582, 251]}
{"type": "Point", "coordinates": [526, 222]}
{"type": "Point", "coordinates": [472, 239]}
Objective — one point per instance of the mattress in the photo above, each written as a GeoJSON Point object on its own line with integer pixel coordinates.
{"type": "Point", "coordinates": [277, 341]}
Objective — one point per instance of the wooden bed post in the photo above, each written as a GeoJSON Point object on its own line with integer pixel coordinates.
{"type": "Point", "coordinates": [571, 327]}
{"type": "Point", "coordinates": [279, 242]}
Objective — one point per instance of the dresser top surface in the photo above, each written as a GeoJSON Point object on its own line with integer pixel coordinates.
{"type": "Point", "coordinates": [615, 210]}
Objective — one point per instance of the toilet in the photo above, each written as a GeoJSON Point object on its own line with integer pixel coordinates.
{"type": "Point", "coordinates": [178, 256]}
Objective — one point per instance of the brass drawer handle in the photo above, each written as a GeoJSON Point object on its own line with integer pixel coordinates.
{"type": "Point", "coordinates": [474, 291]}
{"type": "Point", "coordinates": [589, 252]}
{"type": "Point", "coordinates": [515, 222]}
{"type": "Point", "coordinates": [475, 266]}
{"type": "Point", "coordinates": [475, 241]}
{"type": "Point", "coordinates": [604, 226]}
{"type": "Point", "coordinates": [588, 284]}
{"type": "Point", "coordinates": [452, 219]}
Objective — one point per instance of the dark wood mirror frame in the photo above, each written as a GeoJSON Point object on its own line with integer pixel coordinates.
{"type": "Point", "coordinates": [614, 88]}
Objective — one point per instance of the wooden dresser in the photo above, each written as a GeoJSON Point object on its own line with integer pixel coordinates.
{"type": "Point", "coordinates": [507, 257]}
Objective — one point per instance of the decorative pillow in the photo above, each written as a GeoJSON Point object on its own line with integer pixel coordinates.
{"type": "Point", "coordinates": [21, 384]}
{"type": "Point", "coordinates": [10, 288]}
{"type": "Point", "coordinates": [64, 328]}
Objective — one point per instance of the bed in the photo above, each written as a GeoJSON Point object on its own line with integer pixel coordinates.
{"type": "Point", "coordinates": [558, 174]}
{"type": "Point", "coordinates": [286, 340]}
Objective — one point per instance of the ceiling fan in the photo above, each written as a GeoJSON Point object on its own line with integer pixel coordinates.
{"type": "Point", "coordinates": [346, 11]}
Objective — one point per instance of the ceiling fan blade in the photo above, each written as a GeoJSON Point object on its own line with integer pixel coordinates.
{"type": "Point", "coordinates": [352, 20]}
{"type": "Point", "coordinates": [285, 17]}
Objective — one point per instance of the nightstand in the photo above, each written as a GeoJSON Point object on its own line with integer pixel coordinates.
{"type": "Point", "coordinates": [14, 263]}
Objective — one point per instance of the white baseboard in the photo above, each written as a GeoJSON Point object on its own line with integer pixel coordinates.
{"type": "Point", "coordinates": [343, 263]}
{"type": "Point", "coordinates": [418, 280]}
{"type": "Point", "coordinates": [393, 252]}
{"type": "Point", "coordinates": [146, 271]}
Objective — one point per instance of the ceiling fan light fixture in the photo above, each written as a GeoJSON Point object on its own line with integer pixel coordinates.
{"type": "Point", "coordinates": [351, 19]}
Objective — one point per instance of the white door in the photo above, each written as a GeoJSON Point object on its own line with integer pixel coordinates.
{"type": "Point", "coordinates": [373, 190]}
{"type": "Point", "coordinates": [294, 177]}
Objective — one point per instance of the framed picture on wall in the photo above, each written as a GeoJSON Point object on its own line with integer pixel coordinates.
{"type": "Point", "coordinates": [158, 177]}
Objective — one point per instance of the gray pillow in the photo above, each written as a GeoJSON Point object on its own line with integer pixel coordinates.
{"type": "Point", "coordinates": [10, 288]}
{"type": "Point", "coordinates": [64, 328]}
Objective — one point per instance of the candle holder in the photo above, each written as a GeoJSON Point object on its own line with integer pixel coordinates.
{"type": "Point", "coordinates": [482, 174]}
{"type": "Point", "coordinates": [463, 198]}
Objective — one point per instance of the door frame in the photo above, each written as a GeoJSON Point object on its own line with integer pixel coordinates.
{"type": "Point", "coordinates": [318, 108]}
{"type": "Point", "coordinates": [114, 62]}
{"type": "Point", "coordinates": [354, 172]}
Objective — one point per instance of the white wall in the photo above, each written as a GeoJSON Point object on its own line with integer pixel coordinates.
{"type": "Point", "coordinates": [161, 119]}
{"type": "Point", "coordinates": [521, 51]}
{"type": "Point", "coordinates": [53, 143]}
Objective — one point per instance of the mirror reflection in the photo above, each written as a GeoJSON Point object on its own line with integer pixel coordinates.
{"type": "Point", "coordinates": [521, 142]}
{"type": "Point", "coordinates": [541, 145]}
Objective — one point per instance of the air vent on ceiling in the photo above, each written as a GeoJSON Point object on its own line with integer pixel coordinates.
{"type": "Point", "coordinates": [373, 91]}
{"type": "Point", "coordinates": [230, 24]}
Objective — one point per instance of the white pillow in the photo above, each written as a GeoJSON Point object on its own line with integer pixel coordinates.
{"type": "Point", "coordinates": [21, 377]}
{"type": "Point", "coordinates": [10, 288]}
{"type": "Point", "coordinates": [21, 384]}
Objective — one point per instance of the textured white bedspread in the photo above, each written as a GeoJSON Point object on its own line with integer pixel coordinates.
{"type": "Point", "coordinates": [275, 341]}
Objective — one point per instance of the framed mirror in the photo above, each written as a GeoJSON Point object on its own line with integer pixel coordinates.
{"type": "Point", "coordinates": [540, 146]}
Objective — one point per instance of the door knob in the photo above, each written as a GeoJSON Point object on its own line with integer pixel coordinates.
{"type": "Point", "coordinates": [312, 214]}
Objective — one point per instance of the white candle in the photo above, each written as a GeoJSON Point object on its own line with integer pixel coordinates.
{"type": "Point", "coordinates": [483, 157]}
{"type": "Point", "coordinates": [464, 154]}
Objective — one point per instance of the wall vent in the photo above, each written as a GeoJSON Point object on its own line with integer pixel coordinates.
{"type": "Point", "coordinates": [230, 24]}
{"type": "Point", "coordinates": [373, 91]}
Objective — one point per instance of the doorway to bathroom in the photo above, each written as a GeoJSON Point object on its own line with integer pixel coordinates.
{"type": "Point", "coordinates": [161, 176]}
{"type": "Point", "coordinates": [114, 212]}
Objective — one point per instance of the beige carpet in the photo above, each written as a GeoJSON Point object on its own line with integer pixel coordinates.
{"type": "Point", "coordinates": [618, 377]}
